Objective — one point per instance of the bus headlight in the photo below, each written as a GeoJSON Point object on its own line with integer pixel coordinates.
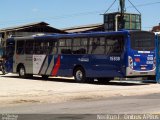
{"type": "Point", "coordinates": [130, 60]}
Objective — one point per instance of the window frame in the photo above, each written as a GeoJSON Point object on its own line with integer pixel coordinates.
{"type": "Point", "coordinates": [81, 48]}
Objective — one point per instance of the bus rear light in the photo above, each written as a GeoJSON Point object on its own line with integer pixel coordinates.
{"type": "Point", "coordinates": [130, 62]}
{"type": "Point", "coordinates": [130, 73]}
{"type": "Point", "coordinates": [154, 60]}
{"type": "Point", "coordinates": [137, 60]}
{"type": "Point", "coordinates": [154, 63]}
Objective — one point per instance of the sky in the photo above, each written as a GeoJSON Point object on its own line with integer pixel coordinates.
{"type": "Point", "coordinates": [69, 13]}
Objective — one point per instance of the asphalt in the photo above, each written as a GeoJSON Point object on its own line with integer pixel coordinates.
{"type": "Point", "coordinates": [113, 105]}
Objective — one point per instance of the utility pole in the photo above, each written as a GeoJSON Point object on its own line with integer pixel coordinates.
{"type": "Point", "coordinates": [122, 7]}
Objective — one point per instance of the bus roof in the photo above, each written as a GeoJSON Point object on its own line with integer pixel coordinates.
{"type": "Point", "coordinates": [87, 34]}
{"type": "Point", "coordinates": [72, 35]}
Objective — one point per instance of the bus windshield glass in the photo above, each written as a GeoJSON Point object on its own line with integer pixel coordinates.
{"type": "Point", "coordinates": [143, 41]}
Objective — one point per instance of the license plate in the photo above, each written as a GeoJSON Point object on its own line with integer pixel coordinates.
{"type": "Point", "coordinates": [143, 73]}
{"type": "Point", "coordinates": [143, 68]}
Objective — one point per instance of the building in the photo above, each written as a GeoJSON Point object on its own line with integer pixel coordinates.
{"type": "Point", "coordinates": [156, 28]}
{"type": "Point", "coordinates": [84, 28]}
{"type": "Point", "coordinates": [26, 30]}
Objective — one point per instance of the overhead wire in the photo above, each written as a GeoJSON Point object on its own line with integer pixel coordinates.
{"type": "Point", "coordinates": [85, 13]}
{"type": "Point", "coordinates": [110, 6]}
{"type": "Point", "coordinates": [76, 14]}
{"type": "Point", "coordinates": [134, 6]}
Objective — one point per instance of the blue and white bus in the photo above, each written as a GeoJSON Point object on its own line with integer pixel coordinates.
{"type": "Point", "coordinates": [157, 57]}
{"type": "Point", "coordinates": [100, 55]}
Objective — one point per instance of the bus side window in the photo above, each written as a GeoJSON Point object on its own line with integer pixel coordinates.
{"type": "Point", "coordinates": [20, 47]}
{"type": "Point", "coordinates": [47, 47]}
{"type": "Point", "coordinates": [90, 45]}
{"type": "Point", "coordinates": [29, 49]}
{"type": "Point", "coordinates": [119, 45]}
{"type": "Point", "coordinates": [62, 46]}
{"type": "Point", "coordinates": [76, 45]}
{"type": "Point", "coordinates": [50, 46]}
{"type": "Point", "coordinates": [54, 47]}
{"type": "Point", "coordinates": [80, 45]}
{"type": "Point", "coordinates": [97, 45]}
{"type": "Point", "coordinates": [114, 45]}
{"type": "Point", "coordinates": [84, 45]}
{"type": "Point", "coordinates": [38, 47]}
{"type": "Point", "coordinates": [68, 47]}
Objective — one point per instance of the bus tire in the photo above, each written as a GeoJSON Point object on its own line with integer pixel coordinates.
{"type": "Point", "coordinates": [104, 80]}
{"type": "Point", "coordinates": [29, 76]}
{"type": "Point", "coordinates": [3, 71]}
{"type": "Point", "coordinates": [45, 76]}
{"type": "Point", "coordinates": [90, 80]}
{"type": "Point", "coordinates": [22, 71]}
{"type": "Point", "coordinates": [79, 75]}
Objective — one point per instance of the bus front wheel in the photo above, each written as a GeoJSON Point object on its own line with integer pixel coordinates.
{"type": "Point", "coordinates": [79, 75]}
{"type": "Point", "coordinates": [104, 80]}
{"type": "Point", "coordinates": [45, 76]}
{"type": "Point", "coordinates": [22, 72]}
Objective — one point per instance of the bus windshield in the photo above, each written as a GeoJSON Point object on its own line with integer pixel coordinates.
{"type": "Point", "coordinates": [143, 41]}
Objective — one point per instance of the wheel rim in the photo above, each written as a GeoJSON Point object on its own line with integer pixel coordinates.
{"type": "Point", "coordinates": [79, 75]}
{"type": "Point", "coordinates": [22, 72]}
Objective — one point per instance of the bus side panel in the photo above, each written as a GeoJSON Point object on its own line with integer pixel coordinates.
{"type": "Point", "coordinates": [29, 64]}
{"type": "Point", "coordinates": [19, 59]}
{"type": "Point", "coordinates": [51, 63]}
{"type": "Point", "coordinates": [105, 66]}
{"type": "Point", "coordinates": [43, 64]}
{"type": "Point", "coordinates": [67, 65]}
{"type": "Point", "coordinates": [39, 63]}
{"type": "Point", "coordinates": [94, 65]}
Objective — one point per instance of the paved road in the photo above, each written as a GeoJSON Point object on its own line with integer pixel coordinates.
{"type": "Point", "coordinates": [87, 109]}
{"type": "Point", "coordinates": [38, 96]}
{"type": "Point", "coordinates": [114, 105]}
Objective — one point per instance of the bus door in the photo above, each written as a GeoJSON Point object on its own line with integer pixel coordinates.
{"type": "Point", "coordinates": [158, 59]}
{"type": "Point", "coordinates": [10, 49]}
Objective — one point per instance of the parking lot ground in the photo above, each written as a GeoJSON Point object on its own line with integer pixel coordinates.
{"type": "Point", "coordinates": [15, 90]}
